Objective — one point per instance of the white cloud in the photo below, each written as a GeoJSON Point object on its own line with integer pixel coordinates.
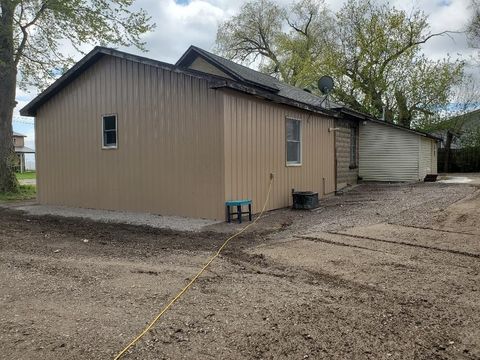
{"type": "Point", "coordinates": [179, 26]}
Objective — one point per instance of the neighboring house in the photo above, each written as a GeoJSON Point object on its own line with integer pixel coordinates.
{"type": "Point", "coordinates": [468, 123]}
{"type": "Point", "coordinates": [124, 132]}
{"type": "Point", "coordinates": [20, 151]}
{"type": "Point", "coordinates": [471, 128]}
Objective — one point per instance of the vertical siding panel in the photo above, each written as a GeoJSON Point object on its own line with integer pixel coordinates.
{"type": "Point", "coordinates": [389, 154]}
{"type": "Point", "coordinates": [261, 125]}
{"type": "Point", "coordinates": [170, 155]}
{"type": "Point", "coordinates": [228, 136]}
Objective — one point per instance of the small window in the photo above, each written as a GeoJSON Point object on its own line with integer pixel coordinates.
{"type": "Point", "coordinates": [109, 131]}
{"type": "Point", "coordinates": [353, 147]}
{"type": "Point", "coordinates": [294, 145]}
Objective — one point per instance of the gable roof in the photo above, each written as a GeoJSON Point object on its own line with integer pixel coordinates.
{"type": "Point", "coordinates": [18, 134]}
{"type": "Point", "coordinates": [244, 79]}
{"type": "Point", "coordinates": [472, 119]}
{"type": "Point", "coordinates": [24, 150]}
{"type": "Point", "coordinates": [76, 70]}
{"type": "Point", "coordinates": [255, 78]}
{"type": "Point", "coordinates": [367, 117]}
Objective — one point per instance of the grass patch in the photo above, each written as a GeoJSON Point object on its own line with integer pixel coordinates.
{"type": "Point", "coordinates": [25, 192]}
{"type": "Point", "coordinates": [27, 175]}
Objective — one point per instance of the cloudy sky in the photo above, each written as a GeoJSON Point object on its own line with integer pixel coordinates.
{"type": "Point", "coordinates": [181, 23]}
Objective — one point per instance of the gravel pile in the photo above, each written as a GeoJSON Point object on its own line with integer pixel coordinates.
{"type": "Point", "coordinates": [367, 204]}
{"type": "Point", "coordinates": [156, 221]}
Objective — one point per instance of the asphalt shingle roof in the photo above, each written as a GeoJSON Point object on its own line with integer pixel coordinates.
{"type": "Point", "coordinates": [264, 80]}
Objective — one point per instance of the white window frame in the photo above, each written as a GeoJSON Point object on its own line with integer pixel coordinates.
{"type": "Point", "coordinates": [109, 147]}
{"type": "Point", "coordinates": [299, 162]}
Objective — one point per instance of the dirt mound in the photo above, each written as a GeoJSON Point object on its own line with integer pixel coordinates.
{"type": "Point", "coordinates": [462, 216]}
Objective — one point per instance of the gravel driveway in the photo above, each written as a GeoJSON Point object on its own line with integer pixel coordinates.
{"type": "Point", "coordinates": [382, 272]}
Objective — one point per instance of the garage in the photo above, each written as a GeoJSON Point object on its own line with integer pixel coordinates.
{"type": "Point", "coordinates": [389, 152]}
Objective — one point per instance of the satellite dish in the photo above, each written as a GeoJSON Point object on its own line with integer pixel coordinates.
{"type": "Point", "coordinates": [325, 84]}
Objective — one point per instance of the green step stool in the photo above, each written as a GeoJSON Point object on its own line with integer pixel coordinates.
{"type": "Point", "coordinates": [238, 204]}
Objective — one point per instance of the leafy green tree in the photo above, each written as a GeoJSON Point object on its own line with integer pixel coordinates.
{"type": "Point", "coordinates": [471, 138]}
{"type": "Point", "coordinates": [32, 35]}
{"type": "Point", "coordinates": [372, 50]}
{"type": "Point", "coordinates": [473, 29]}
{"type": "Point", "coordinates": [376, 58]}
{"type": "Point", "coordinates": [454, 118]}
{"type": "Point", "coordinates": [258, 33]}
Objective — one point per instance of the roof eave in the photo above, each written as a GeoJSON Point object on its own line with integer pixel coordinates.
{"type": "Point", "coordinates": [76, 70]}
{"type": "Point", "coordinates": [367, 117]}
{"type": "Point", "coordinates": [24, 150]}
{"type": "Point", "coordinates": [273, 97]}
{"type": "Point", "coordinates": [31, 108]}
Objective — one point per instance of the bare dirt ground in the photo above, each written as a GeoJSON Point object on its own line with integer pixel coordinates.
{"type": "Point", "coordinates": [382, 272]}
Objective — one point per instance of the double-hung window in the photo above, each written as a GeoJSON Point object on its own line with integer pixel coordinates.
{"type": "Point", "coordinates": [294, 142]}
{"type": "Point", "coordinates": [109, 127]}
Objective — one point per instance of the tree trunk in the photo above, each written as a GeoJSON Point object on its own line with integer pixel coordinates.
{"type": "Point", "coordinates": [8, 82]}
{"type": "Point", "coordinates": [448, 145]}
{"type": "Point", "coordinates": [404, 114]}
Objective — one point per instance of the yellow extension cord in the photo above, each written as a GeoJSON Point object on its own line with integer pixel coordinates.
{"type": "Point", "coordinates": [174, 300]}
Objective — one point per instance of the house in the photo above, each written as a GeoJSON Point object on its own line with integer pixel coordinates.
{"type": "Point", "coordinates": [124, 132]}
{"type": "Point", "coordinates": [468, 132]}
{"type": "Point", "coordinates": [20, 151]}
{"type": "Point", "coordinates": [345, 125]}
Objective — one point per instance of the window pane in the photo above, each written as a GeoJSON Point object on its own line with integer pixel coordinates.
{"type": "Point", "coordinates": [109, 123]}
{"type": "Point", "coordinates": [110, 138]}
{"type": "Point", "coordinates": [293, 152]}
{"type": "Point", "coordinates": [293, 130]}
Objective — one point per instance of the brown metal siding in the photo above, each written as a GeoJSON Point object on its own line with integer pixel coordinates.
{"type": "Point", "coordinates": [170, 142]}
{"type": "Point", "coordinates": [255, 147]}
{"type": "Point", "coordinates": [202, 65]}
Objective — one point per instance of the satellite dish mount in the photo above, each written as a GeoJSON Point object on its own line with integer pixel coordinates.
{"type": "Point", "coordinates": [325, 85]}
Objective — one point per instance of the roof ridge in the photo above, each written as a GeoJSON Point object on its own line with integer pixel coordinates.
{"type": "Point", "coordinates": [234, 62]}
{"type": "Point", "coordinates": [276, 80]}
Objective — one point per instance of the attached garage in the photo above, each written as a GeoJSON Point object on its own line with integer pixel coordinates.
{"type": "Point", "coordinates": [388, 152]}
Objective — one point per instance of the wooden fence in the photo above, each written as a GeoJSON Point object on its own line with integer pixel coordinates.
{"type": "Point", "coordinates": [461, 160]}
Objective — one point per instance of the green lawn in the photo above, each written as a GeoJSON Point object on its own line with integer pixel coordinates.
{"type": "Point", "coordinates": [26, 192]}
{"type": "Point", "coordinates": [27, 175]}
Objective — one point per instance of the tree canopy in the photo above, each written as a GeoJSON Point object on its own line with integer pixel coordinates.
{"type": "Point", "coordinates": [373, 51]}
{"type": "Point", "coordinates": [42, 29]}
{"type": "Point", "coordinates": [473, 29]}
{"type": "Point", "coordinates": [33, 37]}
